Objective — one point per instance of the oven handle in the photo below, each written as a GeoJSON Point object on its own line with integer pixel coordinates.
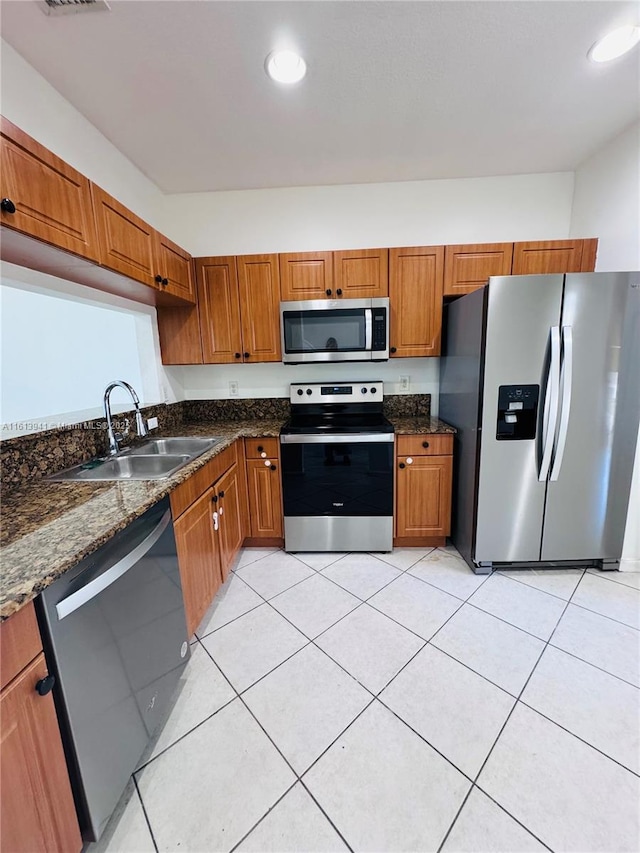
{"type": "Point", "coordinates": [352, 438]}
{"type": "Point", "coordinates": [368, 329]}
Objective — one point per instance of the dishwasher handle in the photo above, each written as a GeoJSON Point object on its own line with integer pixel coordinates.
{"type": "Point", "coordinates": [84, 595]}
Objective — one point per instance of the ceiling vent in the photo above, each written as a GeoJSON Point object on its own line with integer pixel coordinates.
{"type": "Point", "coordinates": [67, 7]}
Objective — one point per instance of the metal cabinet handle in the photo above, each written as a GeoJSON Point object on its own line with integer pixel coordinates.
{"type": "Point", "coordinates": [328, 292]}
{"type": "Point", "coordinates": [392, 350]}
{"type": "Point", "coordinates": [165, 282]}
{"type": "Point", "coordinates": [425, 444]}
{"type": "Point", "coordinates": [95, 587]}
{"type": "Point", "coordinates": [260, 448]}
{"type": "Point", "coordinates": [401, 465]}
{"type": "Point", "coordinates": [273, 467]}
{"type": "Point", "coordinates": [7, 206]}
{"type": "Point", "coordinates": [158, 279]}
{"type": "Point", "coordinates": [238, 355]}
{"type": "Point", "coordinates": [221, 494]}
{"type": "Point", "coordinates": [339, 292]}
{"type": "Point", "coordinates": [247, 354]}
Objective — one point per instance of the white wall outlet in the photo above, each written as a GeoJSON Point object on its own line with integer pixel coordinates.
{"type": "Point", "coordinates": [404, 383]}
{"type": "Point", "coordinates": [234, 389]}
{"type": "Point", "coordinates": [152, 423]}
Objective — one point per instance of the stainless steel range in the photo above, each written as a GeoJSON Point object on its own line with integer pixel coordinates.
{"type": "Point", "coordinates": [337, 468]}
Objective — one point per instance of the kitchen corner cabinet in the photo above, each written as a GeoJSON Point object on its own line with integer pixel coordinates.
{"type": "Point", "coordinates": [37, 812]}
{"type": "Point", "coordinates": [42, 196]}
{"type": "Point", "coordinates": [306, 275]}
{"type": "Point", "coordinates": [174, 269]}
{"type": "Point", "coordinates": [554, 256]}
{"type": "Point", "coordinates": [466, 268]}
{"type": "Point", "coordinates": [424, 473]}
{"type": "Point", "coordinates": [264, 491]}
{"type": "Point", "coordinates": [361, 273]}
{"type": "Point", "coordinates": [416, 278]}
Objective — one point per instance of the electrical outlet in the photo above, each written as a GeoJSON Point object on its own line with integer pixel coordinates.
{"type": "Point", "coordinates": [404, 383]}
{"type": "Point", "coordinates": [152, 423]}
{"type": "Point", "coordinates": [234, 389]}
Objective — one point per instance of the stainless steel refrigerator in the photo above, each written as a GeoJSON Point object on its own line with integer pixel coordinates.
{"type": "Point", "coordinates": [541, 377]}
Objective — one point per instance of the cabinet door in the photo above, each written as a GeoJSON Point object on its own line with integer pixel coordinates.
{"type": "Point", "coordinates": [179, 333]}
{"type": "Point", "coordinates": [415, 296]}
{"type": "Point", "coordinates": [306, 275]}
{"type": "Point", "coordinates": [259, 287]}
{"type": "Point", "coordinates": [423, 496]}
{"type": "Point", "coordinates": [174, 266]}
{"type": "Point", "coordinates": [265, 498]}
{"type": "Point", "coordinates": [551, 256]}
{"type": "Point", "coordinates": [466, 268]}
{"type": "Point", "coordinates": [127, 243]}
{"type": "Point", "coordinates": [230, 533]}
{"type": "Point", "coordinates": [52, 201]}
{"type": "Point", "coordinates": [219, 306]}
{"type": "Point", "coordinates": [37, 811]}
{"type": "Point", "coordinates": [360, 273]}
{"type": "Point", "coordinates": [198, 558]}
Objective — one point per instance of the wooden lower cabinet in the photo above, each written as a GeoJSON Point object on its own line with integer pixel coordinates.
{"type": "Point", "coordinates": [424, 473]}
{"type": "Point", "coordinates": [198, 556]}
{"type": "Point", "coordinates": [264, 489]}
{"type": "Point", "coordinates": [230, 494]}
{"type": "Point", "coordinates": [37, 812]}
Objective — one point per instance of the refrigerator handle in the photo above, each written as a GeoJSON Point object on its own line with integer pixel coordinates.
{"type": "Point", "coordinates": [566, 373]}
{"type": "Point", "coordinates": [551, 401]}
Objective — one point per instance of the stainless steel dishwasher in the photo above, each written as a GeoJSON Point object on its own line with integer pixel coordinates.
{"type": "Point", "coordinates": [116, 639]}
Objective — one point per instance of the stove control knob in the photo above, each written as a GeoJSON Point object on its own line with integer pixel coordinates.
{"type": "Point", "coordinates": [309, 391]}
{"type": "Point", "coordinates": [363, 390]}
{"type": "Point", "coordinates": [374, 390]}
{"type": "Point", "coordinates": [299, 392]}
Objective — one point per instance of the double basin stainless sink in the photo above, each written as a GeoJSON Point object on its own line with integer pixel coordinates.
{"type": "Point", "coordinates": [154, 460]}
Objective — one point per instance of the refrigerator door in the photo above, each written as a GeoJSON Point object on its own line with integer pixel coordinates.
{"type": "Point", "coordinates": [590, 479]}
{"type": "Point", "coordinates": [523, 315]}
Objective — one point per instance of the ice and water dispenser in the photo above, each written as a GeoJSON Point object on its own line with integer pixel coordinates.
{"type": "Point", "coordinates": [517, 412]}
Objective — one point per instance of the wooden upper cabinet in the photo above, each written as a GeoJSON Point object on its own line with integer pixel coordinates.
{"type": "Point", "coordinates": [554, 256]}
{"type": "Point", "coordinates": [219, 306]}
{"type": "Point", "coordinates": [50, 200]}
{"type": "Point", "coordinates": [197, 548]}
{"type": "Point", "coordinates": [306, 275]}
{"type": "Point", "coordinates": [416, 277]}
{"type": "Point", "coordinates": [174, 267]}
{"type": "Point", "coordinates": [127, 243]}
{"type": "Point", "coordinates": [360, 273]}
{"type": "Point", "coordinates": [466, 268]}
{"type": "Point", "coordinates": [259, 289]}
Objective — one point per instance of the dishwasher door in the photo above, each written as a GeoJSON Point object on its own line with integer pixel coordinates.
{"type": "Point", "coordinates": [116, 638]}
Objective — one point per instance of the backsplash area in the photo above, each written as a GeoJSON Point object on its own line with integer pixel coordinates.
{"type": "Point", "coordinates": [39, 454]}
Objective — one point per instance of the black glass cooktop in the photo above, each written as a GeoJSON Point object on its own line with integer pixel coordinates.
{"type": "Point", "coordinates": [329, 423]}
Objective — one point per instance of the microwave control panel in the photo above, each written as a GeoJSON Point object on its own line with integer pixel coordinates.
{"type": "Point", "coordinates": [379, 336]}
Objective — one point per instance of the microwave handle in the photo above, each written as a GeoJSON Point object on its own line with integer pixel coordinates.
{"type": "Point", "coordinates": [368, 329]}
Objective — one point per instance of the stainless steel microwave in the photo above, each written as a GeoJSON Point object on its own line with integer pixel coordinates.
{"type": "Point", "coordinates": [335, 330]}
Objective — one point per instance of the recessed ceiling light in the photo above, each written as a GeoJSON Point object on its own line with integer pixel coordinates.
{"type": "Point", "coordinates": [285, 66]}
{"type": "Point", "coordinates": [614, 44]}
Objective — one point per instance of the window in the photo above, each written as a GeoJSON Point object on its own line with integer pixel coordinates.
{"type": "Point", "coordinates": [60, 350]}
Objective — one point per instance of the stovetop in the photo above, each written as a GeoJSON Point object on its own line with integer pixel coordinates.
{"type": "Point", "coordinates": [339, 407]}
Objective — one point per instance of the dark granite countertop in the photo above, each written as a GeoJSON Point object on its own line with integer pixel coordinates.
{"type": "Point", "coordinates": [47, 527]}
{"type": "Point", "coordinates": [419, 425]}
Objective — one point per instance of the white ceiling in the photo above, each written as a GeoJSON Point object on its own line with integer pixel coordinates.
{"type": "Point", "coordinates": [395, 90]}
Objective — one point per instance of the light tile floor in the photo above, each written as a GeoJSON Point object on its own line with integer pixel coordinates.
{"type": "Point", "coordinates": [398, 702]}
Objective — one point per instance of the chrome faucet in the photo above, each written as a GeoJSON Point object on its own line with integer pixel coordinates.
{"type": "Point", "coordinates": [114, 437]}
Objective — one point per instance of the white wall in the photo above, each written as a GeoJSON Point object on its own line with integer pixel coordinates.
{"type": "Point", "coordinates": [606, 204]}
{"type": "Point", "coordinates": [298, 219]}
{"type": "Point", "coordinates": [606, 201]}
{"type": "Point", "coordinates": [32, 104]}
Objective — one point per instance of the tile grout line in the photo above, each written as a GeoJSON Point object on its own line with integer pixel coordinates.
{"type": "Point", "coordinates": [266, 814]}
{"type": "Point", "coordinates": [595, 666]}
{"type": "Point", "coordinates": [531, 586]}
{"type": "Point", "coordinates": [341, 836]}
{"type": "Point", "coordinates": [605, 577]}
{"type": "Point", "coordinates": [144, 812]}
{"type": "Point", "coordinates": [604, 616]}
{"type": "Point", "coordinates": [504, 725]}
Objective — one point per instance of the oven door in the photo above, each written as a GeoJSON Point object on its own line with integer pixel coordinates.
{"type": "Point", "coordinates": [326, 330]}
{"type": "Point", "coordinates": [338, 491]}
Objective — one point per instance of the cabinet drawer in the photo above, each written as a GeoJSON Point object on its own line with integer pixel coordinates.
{"type": "Point", "coordinates": [189, 491]}
{"type": "Point", "coordinates": [255, 447]}
{"type": "Point", "coordinates": [414, 445]}
{"type": "Point", "coordinates": [20, 642]}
